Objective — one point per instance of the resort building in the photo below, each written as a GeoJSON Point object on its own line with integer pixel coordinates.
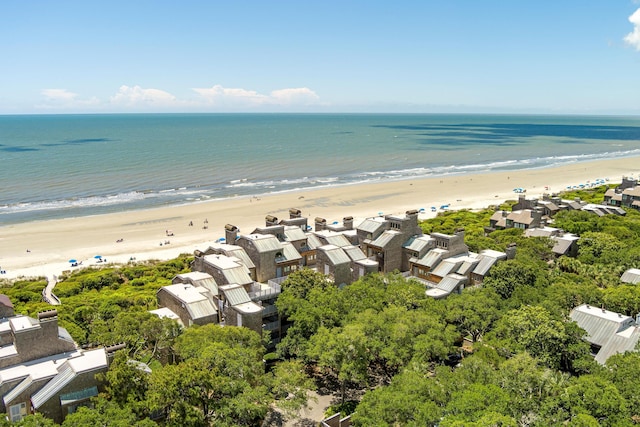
{"type": "Point", "coordinates": [41, 368]}
{"type": "Point", "coordinates": [563, 243]}
{"type": "Point", "coordinates": [626, 194]}
{"type": "Point", "coordinates": [608, 332]}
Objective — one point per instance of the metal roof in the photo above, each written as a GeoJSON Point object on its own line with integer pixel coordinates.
{"type": "Point", "coordinates": [289, 252]}
{"type": "Point", "coordinates": [264, 242]}
{"type": "Point", "coordinates": [485, 264]}
{"type": "Point", "coordinates": [632, 276]}
{"type": "Point", "coordinates": [88, 361]}
{"type": "Point", "coordinates": [293, 233]}
{"type": "Point", "coordinates": [613, 332]}
{"type": "Point", "coordinates": [447, 285]}
{"type": "Point", "coordinates": [621, 342]}
{"type": "Point", "coordinates": [232, 269]}
{"type": "Point", "coordinates": [335, 254]}
{"type": "Point", "coordinates": [332, 238]}
{"type": "Point", "coordinates": [313, 241]}
{"type": "Point", "coordinates": [418, 243]}
{"type": "Point", "coordinates": [201, 309]}
{"type": "Point", "coordinates": [241, 254]}
{"type": "Point", "coordinates": [600, 324]}
{"type": "Point", "coordinates": [386, 238]}
{"type": "Point", "coordinates": [199, 279]}
{"type": "Point", "coordinates": [354, 252]}
{"type": "Point", "coordinates": [468, 264]}
{"type": "Point", "coordinates": [372, 225]}
{"type": "Point", "coordinates": [447, 266]}
{"type": "Point", "coordinates": [235, 294]}
{"type": "Point", "coordinates": [432, 257]}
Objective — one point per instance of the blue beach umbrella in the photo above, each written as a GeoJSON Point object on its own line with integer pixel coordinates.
{"type": "Point", "coordinates": [98, 256]}
{"type": "Point", "coordinates": [73, 260]}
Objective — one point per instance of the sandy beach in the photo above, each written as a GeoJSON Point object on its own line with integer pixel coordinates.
{"type": "Point", "coordinates": [44, 248]}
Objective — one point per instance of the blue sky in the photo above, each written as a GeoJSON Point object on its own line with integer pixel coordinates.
{"type": "Point", "coordinates": [545, 56]}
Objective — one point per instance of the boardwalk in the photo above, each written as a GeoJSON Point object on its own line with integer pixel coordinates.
{"type": "Point", "coordinates": [47, 292]}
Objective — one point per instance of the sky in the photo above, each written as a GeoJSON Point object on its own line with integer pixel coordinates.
{"type": "Point", "coordinates": [412, 56]}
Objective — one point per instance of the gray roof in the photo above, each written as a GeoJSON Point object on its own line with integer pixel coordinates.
{"type": "Point", "coordinates": [385, 238]}
{"type": "Point", "coordinates": [235, 295]}
{"type": "Point", "coordinates": [198, 305]}
{"type": "Point", "coordinates": [468, 264]}
{"type": "Point", "coordinates": [486, 262]}
{"type": "Point", "coordinates": [335, 254]}
{"type": "Point", "coordinates": [354, 253]}
{"type": "Point", "coordinates": [521, 217]}
{"type": "Point", "coordinates": [600, 324]}
{"type": "Point", "coordinates": [197, 278]}
{"type": "Point", "coordinates": [265, 242]}
{"type": "Point", "coordinates": [313, 241]}
{"type": "Point", "coordinates": [372, 225]}
{"type": "Point", "coordinates": [562, 244]}
{"type": "Point", "coordinates": [289, 252]}
{"type": "Point", "coordinates": [89, 361]}
{"type": "Point", "coordinates": [632, 276]}
{"type": "Point", "coordinates": [447, 266]}
{"type": "Point", "coordinates": [231, 268]}
{"type": "Point", "coordinates": [613, 332]}
{"type": "Point", "coordinates": [432, 258]}
{"type": "Point", "coordinates": [240, 253]}
{"type": "Point", "coordinates": [447, 285]}
{"type": "Point", "coordinates": [333, 238]}
{"type": "Point", "coordinates": [293, 234]}
{"type": "Point", "coordinates": [418, 243]}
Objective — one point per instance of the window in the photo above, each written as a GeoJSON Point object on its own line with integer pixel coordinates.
{"type": "Point", "coordinates": [18, 411]}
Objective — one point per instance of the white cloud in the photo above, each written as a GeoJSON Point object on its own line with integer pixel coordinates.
{"type": "Point", "coordinates": [58, 94]}
{"type": "Point", "coordinates": [633, 38]}
{"type": "Point", "coordinates": [139, 97]}
{"type": "Point", "coordinates": [242, 98]}
{"type": "Point", "coordinates": [297, 96]}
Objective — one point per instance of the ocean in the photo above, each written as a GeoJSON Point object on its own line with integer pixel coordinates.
{"type": "Point", "coordinates": [58, 166]}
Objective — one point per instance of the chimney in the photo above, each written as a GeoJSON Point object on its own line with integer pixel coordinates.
{"type": "Point", "coordinates": [270, 220]}
{"type": "Point", "coordinates": [459, 232]}
{"type": "Point", "coordinates": [230, 234]}
{"type": "Point", "coordinates": [511, 251]}
{"type": "Point", "coordinates": [295, 213]}
{"type": "Point", "coordinates": [321, 223]}
{"type": "Point", "coordinates": [347, 221]}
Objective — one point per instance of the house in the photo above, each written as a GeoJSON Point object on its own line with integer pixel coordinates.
{"type": "Point", "coordinates": [233, 251]}
{"type": "Point", "coordinates": [192, 305]}
{"type": "Point", "coordinates": [224, 269]}
{"type": "Point", "coordinates": [608, 332]}
{"type": "Point", "coordinates": [239, 309]}
{"type": "Point", "coordinates": [563, 243]}
{"type": "Point", "coordinates": [271, 257]}
{"type": "Point", "coordinates": [332, 261]}
{"type": "Point", "coordinates": [389, 236]}
{"type": "Point", "coordinates": [42, 370]}
{"type": "Point", "coordinates": [626, 194]}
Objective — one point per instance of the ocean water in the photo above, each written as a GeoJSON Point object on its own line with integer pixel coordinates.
{"type": "Point", "coordinates": [56, 166]}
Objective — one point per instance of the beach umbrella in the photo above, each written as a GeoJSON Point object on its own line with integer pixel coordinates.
{"type": "Point", "coordinates": [73, 260]}
{"type": "Point", "coordinates": [98, 256]}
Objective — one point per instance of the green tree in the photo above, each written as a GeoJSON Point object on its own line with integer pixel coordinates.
{"type": "Point", "coordinates": [473, 312]}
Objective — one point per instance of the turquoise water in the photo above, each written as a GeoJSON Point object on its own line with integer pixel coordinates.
{"type": "Point", "coordinates": [56, 166]}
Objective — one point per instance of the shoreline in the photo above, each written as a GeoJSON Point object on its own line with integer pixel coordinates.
{"type": "Point", "coordinates": [43, 248]}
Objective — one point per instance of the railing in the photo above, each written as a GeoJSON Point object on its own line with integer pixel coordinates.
{"type": "Point", "coordinates": [258, 291]}
{"type": "Point", "coordinates": [269, 310]}
{"type": "Point", "coordinates": [271, 326]}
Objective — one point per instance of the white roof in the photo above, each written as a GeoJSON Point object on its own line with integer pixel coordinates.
{"type": "Point", "coordinates": [165, 312]}
{"type": "Point", "coordinates": [39, 368]}
{"type": "Point", "coordinates": [248, 307]}
{"type": "Point", "coordinates": [20, 323]}
{"type": "Point", "coordinates": [186, 292]}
